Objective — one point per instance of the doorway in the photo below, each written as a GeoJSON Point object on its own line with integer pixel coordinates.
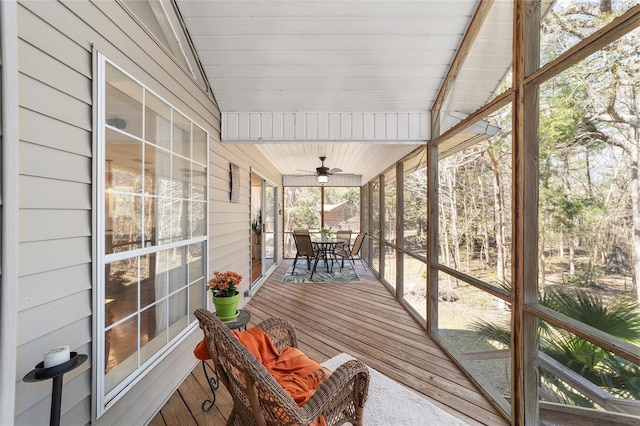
{"type": "Point", "coordinates": [270, 214]}
{"type": "Point", "coordinates": [263, 226]}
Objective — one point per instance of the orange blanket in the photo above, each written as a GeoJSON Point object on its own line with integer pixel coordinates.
{"type": "Point", "coordinates": [299, 375]}
{"type": "Point", "coordinates": [201, 352]}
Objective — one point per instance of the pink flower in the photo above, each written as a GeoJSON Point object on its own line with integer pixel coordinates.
{"type": "Point", "coordinates": [223, 284]}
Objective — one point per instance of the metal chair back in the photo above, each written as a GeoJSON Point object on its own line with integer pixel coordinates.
{"type": "Point", "coordinates": [349, 254]}
{"type": "Point", "coordinates": [358, 244]}
{"type": "Point", "coordinates": [344, 234]}
{"type": "Point", "coordinates": [304, 248]}
{"type": "Point", "coordinates": [304, 245]}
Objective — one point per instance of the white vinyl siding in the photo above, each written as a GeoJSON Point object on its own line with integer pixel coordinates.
{"type": "Point", "coordinates": [56, 276]}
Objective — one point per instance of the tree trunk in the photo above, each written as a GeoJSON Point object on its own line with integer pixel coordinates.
{"type": "Point", "coordinates": [485, 243]}
{"type": "Point", "coordinates": [566, 183]}
{"type": "Point", "coordinates": [541, 259]}
{"type": "Point", "coordinates": [446, 251]}
{"type": "Point", "coordinates": [588, 172]}
{"type": "Point", "coordinates": [630, 146]}
{"type": "Point", "coordinates": [454, 221]}
{"type": "Point", "coordinates": [485, 227]}
{"type": "Point", "coordinates": [635, 211]}
{"type": "Point", "coordinates": [499, 218]}
{"type": "Point", "coordinates": [572, 258]}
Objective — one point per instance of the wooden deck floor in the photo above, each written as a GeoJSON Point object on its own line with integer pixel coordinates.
{"type": "Point", "coordinates": [362, 319]}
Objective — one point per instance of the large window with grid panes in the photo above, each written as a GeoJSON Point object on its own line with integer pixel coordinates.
{"type": "Point", "coordinates": [152, 228]}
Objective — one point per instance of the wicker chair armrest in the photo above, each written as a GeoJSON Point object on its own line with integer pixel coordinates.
{"type": "Point", "coordinates": [349, 383]}
{"type": "Point", "coordinates": [281, 332]}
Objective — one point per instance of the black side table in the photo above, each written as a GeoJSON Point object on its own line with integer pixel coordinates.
{"type": "Point", "coordinates": [56, 372]}
{"type": "Point", "coordinates": [240, 323]}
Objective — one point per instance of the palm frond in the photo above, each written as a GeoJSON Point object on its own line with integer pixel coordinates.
{"type": "Point", "coordinates": [499, 332]}
{"type": "Point", "coordinates": [604, 369]}
{"type": "Point", "coordinates": [620, 319]}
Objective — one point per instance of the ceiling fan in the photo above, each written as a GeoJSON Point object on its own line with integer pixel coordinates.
{"type": "Point", "coordinates": [323, 172]}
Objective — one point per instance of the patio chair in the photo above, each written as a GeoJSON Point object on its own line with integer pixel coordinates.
{"type": "Point", "coordinates": [258, 399]}
{"type": "Point", "coordinates": [343, 234]}
{"type": "Point", "coordinates": [301, 231]}
{"type": "Point", "coordinates": [304, 247]}
{"type": "Point", "coordinates": [350, 253]}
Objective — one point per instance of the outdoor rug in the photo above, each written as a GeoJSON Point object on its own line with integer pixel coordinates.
{"type": "Point", "coordinates": [303, 275]}
{"type": "Point", "coordinates": [390, 403]}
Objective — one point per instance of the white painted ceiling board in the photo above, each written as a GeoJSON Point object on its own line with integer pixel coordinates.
{"type": "Point", "coordinates": [325, 8]}
{"type": "Point", "coordinates": [335, 56]}
{"type": "Point", "coordinates": [487, 63]}
{"type": "Point", "coordinates": [327, 46]}
{"type": "Point", "coordinates": [396, 42]}
{"type": "Point", "coordinates": [221, 73]}
{"type": "Point", "coordinates": [300, 159]}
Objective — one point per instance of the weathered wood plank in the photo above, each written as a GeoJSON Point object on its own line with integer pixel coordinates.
{"type": "Point", "coordinates": [622, 348]}
{"type": "Point", "coordinates": [373, 327]}
{"type": "Point", "coordinates": [569, 415]}
{"type": "Point", "coordinates": [334, 327]}
{"type": "Point", "coordinates": [598, 395]}
{"type": "Point", "coordinates": [224, 402]}
{"type": "Point", "coordinates": [461, 54]}
{"type": "Point", "coordinates": [616, 29]}
{"type": "Point", "coordinates": [175, 412]}
{"type": "Point", "coordinates": [192, 388]}
{"type": "Point", "coordinates": [157, 421]}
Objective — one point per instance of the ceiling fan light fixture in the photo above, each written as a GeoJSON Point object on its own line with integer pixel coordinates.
{"type": "Point", "coordinates": [322, 179]}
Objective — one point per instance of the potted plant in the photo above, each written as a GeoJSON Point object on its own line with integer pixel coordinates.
{"type": "Point", "coordinates": [256, 226]}
{"type": "Point", "coordinates": [225, 296]}
{"type": "Point", "coordinates": [326, 233]}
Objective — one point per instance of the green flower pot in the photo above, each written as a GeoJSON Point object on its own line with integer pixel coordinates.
{"type": "Point", "coordinates": [227, 307]}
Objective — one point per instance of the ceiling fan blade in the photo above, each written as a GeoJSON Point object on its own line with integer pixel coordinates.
{"type": "Point", "coordinates": [306, 171]}
{"type": "Point", "coordinates": [335, 170]}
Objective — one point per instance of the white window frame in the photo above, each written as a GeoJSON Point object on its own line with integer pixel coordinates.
{"type": "Point", "coordinates": [104, 400]}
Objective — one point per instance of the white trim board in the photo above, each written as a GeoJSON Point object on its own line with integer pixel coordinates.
{"type": "Point", "coordinates": [10, 209]}
{"type": "Point", "coordinates": [274, 127]}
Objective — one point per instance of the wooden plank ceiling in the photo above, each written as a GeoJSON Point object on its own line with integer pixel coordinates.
{"type": "Point", "coordinates": [267, 57]}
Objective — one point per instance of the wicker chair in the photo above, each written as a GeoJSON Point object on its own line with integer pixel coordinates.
{"type": "Point", "coordinates": [258, 399]}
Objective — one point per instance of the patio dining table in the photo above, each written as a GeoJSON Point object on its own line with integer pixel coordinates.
{"type": "Point", "coordinates": [325, 245]}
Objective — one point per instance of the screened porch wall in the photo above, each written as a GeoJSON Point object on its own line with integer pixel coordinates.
{"type": "Point", "coordinates": [523, 173]}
